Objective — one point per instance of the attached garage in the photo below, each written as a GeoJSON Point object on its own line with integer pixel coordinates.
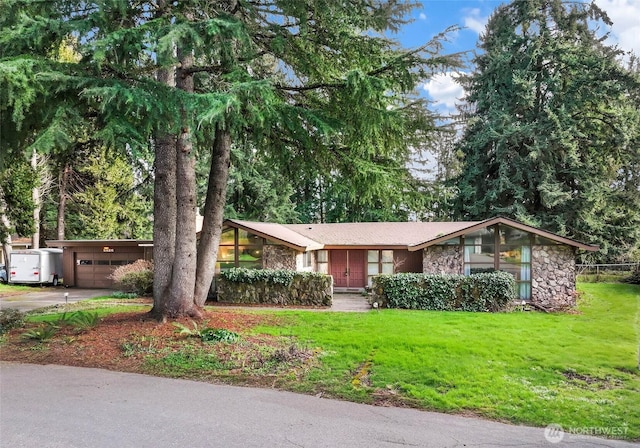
{"type": "Point", "coordinates": [89, 263]}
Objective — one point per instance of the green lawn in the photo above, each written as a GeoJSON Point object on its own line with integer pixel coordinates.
{"type": "Point", "coordinates": [6, 288]}
{"type": "Point", "coordinates": [576, 370]}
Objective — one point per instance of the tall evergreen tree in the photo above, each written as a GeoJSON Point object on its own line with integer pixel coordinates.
{"type": "Point", "coordinates": [309, 82]}
{"type": "Point", "coordinates": [554, 126]}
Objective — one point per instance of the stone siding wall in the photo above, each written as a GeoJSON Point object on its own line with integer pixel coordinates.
{"type": "Point", "coordinates": [442, 260]}
{"type": "Point", "coordinates": [305, 290]}
{"type": "Point", "coordinates": [278, 257]}
{"type": "Point", "coordinates": [553, 276]}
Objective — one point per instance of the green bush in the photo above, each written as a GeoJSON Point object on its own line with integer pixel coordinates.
{"type": "Point", "coordinates": [270, 276]}
{"type": "Point", "coordinates": [476, 292]}
{"type": "Point", "coordinates": [136, 277]}
{"type": "Point", "coordinates": [634, 278]}
{"type": "Point", "coordinates": [10, 318]}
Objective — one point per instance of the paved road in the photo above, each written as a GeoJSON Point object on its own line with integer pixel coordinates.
{"type": "Point", "coordinates": [40, 297]}
{"type": "Point", "coordinates": [56, 406]}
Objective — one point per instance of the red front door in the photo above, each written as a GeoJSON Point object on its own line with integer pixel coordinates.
{"type": "Point", "coordinates": [347, 268]}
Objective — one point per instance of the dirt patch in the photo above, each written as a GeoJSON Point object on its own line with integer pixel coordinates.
{"type": "Point", "coordinates": [591, 382]}
{"type": "Point", "coordinates": [130, 341]}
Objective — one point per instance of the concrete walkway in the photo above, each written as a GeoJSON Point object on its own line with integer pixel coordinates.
{"type": "Point", "coordinates": [350, 302]}
{"type": "Point", "coordinates": [57, 406]}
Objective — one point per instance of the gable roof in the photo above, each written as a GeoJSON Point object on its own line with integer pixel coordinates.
{"type": "Point", "coordinates": [472, 227]}
{"type": "Point", "coordinates": [278, 233]}
{"type": "Point", "coordinates": [401, 235]}
{"type": "Point", "coordinates": [367, 234]}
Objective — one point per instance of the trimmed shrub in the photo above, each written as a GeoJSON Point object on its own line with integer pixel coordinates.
{"type": "Point", "coordinates": [270, 276]}
{"type": "Point", "coordinates": [136, 277]}
{"type": "Point", "coordinates": [445, 292]}
{"type": "Point", "coordinates": [274, 286]}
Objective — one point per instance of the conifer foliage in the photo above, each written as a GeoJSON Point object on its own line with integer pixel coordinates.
{"type": "Point", "coordinates": [552, 139]}
{"type": "Point", "coordinates": [312, 83]}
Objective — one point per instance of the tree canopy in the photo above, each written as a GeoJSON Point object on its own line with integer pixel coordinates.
{"type": "Point", "coordinates": [315, 85]}
{"type": "Point", "coordinates": [552, 138]}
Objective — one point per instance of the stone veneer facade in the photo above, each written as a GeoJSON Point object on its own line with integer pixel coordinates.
{"type": "Point", "coordinates": [553, 271]}
{"type": "Point", "coordinates": [442, 260]}
{"type": "Point", "coordinates": [553, 276]}
{"type": "Point", "coordinates": [278, 257]}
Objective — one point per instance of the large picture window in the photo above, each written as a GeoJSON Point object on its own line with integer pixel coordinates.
{"type": "Point", "coordinates": [500, 248]}
{"type": "Point", "coordinates": [239, 248]}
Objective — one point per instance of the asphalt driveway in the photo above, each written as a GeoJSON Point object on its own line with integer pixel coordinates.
{"type": "Point", "coordinates": [40, 297]}
{"type": "Point", "coordinates": [57, 406]}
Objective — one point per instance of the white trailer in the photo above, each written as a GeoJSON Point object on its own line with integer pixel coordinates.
{"type": "Point", "coordinates": [35, 266]}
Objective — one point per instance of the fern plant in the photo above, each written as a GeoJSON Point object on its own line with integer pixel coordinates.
{"type": "Point", "coordinates": [183, 330]}
{"type": "Point", "coordinates": [42, 333]}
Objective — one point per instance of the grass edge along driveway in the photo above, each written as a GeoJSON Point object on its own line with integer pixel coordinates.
{"type": "Point", "coordinates": [576, 370]}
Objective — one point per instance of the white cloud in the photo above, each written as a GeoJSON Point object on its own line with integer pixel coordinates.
{"type": "Point", "coordinates": [443, 89]}
{"type": "Point", "coordinates": [423, 16]}
{"type": "Point", "coordinates": [625, 15]}
{"type": "Point", "coordinates": [474, 21]}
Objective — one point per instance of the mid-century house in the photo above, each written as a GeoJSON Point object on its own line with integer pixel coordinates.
{"type": "Point", "coordinates": [542, 263]}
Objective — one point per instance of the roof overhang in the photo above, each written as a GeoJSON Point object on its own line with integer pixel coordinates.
{"type": "Point", "coordinates": [511, 223]}
{"type": "Point", "coordinates": [94, 243]}
{"type": "Point", "coordinates": [277, 233]}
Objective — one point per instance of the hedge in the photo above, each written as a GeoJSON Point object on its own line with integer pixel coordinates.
{"type": "Point", "coordinates": [445, 292]}
{"type": "Point", "coordinates": [274, 286]}
{"type": "Point", "coordinates": [269, 276]}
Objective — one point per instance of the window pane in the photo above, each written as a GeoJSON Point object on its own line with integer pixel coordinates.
{"type": "Point", "coordinates": [481, 268]}
{"type": "Point", "coordinates": [387, 256]}
{"type": "Point", "coordinates": [323, 268]}
{"type": "Point", "coordinates": [387, 268]}
{"type": "Point", "coordinates": [542, 241]}
{"type": "Point", "coordinates": [509, 235]}
{"type": "Point", "coordinates": [513, 269]}
{"type": "Point", "coordinates": [524, 290]}
{"type": "Point", "coordinates": [249, 253]}
{"type": "Point", "coordinates": [482, 236]}
{"type": "Point", "coordinates": [226, 253]}
{"type": "Point", "coordinates": [250, 264]}
{"type": "Point", "coordinates": [510, 255]}
{"type": "Point", "coordinates": [227, 236]}
{"type": "Point", "coordinates": [451, 242]}
{"type": "Point", "coordinates": [372, 256]}
{"type": "Point", "coordinates": [246, 238]}
{"type": "Point", "coordinates": [323, 256]}
{"type": "Point", "coordinates": [372, 269]}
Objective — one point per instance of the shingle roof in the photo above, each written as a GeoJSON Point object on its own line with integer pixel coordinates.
{"type": "Point", "coordinates": [408, 235]}
{"type": "Point", "coordinates": [377, 233]}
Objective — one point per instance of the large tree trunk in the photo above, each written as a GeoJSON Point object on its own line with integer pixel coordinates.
{"type": "Point", "coordinates": [177, 299]}
{"type": "Point", "coordinates": [213, 214]}
{"type": "Point", "coordinates": [164, 211]}
{"type": "Point", "coordinates": [62, 199]}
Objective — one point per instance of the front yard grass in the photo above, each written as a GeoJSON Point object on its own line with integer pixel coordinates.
{"type": "Point", "coordinates": [576, 370]}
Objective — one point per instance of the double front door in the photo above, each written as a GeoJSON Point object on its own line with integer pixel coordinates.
{"type": "Point", "coordinates": [348, 268]}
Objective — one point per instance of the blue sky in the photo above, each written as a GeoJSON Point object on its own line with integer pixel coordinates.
{"type": "Point", "coordinates": [471, 15]}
